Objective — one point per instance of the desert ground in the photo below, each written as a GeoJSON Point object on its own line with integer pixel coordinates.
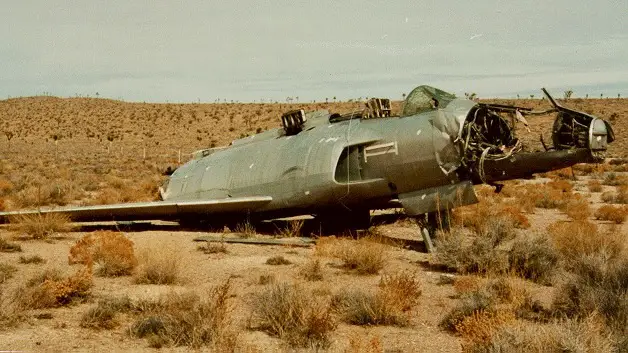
{"type": "Point", "coordinates": [541, 266]}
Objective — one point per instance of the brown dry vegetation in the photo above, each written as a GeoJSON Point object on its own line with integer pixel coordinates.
{"type": "Point", "coordinates": [546, 262]}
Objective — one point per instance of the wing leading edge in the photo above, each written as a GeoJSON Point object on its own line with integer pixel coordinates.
{"type": "Point", "coordinates": [162, 210]}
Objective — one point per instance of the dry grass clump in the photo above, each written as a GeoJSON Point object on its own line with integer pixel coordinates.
{"type": "Point", "coordinates": [614, 214]}
{"type": "Point", "coordinates": [550, 195]}
{"type": "Point", "coordinates": [277, 260]}
{"type": "Point", "coordinates": [111, 252]}
{"type": "Point", "coordinates": [594, 185]}
{"type": "Point", "coordinates": [6, 272]}
{"type": "Point", "coordinates": [213, 248]}
{"type": "Point", "coordinates": [579, 238]}
{"type": "Point", "coordinates": [41, 226]}
{"type": "Point", "coordinates": [245, 229]}
{"type": "Point", "coordinates": [364, 256]}
{"type": "Point", "coordinates": [33, 259]}
{"type": "Point", "coordinates": [187, 320]}
{"type": "Point", "coordinates": [104, 314]}
{"type": "Point", "coordinates": [292, 228]}
{"type": "Point", "coordinates": [597, 284]}
{"type": "Point", "coordinates": [534, 258]}
{"type": "Point", "coordinates": [312, 270]}
{"type": "Point", "coordinates": [158, 266]}
{"type": "Point", "coordinates": [562, 336]}
{"type": "Point", "coordinates": [50, 289]}
{"type": "Point", "coordinates": [7, 246]}
{"type": "Point", "coordinates": [390, 305]}
{"type": "Point", "coordinates": [288, 312]}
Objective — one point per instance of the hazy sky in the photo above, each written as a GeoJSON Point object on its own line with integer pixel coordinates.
{"type": "Point", "coordinates": [246, 50]}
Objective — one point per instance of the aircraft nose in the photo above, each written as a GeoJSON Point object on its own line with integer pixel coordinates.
{"type": "Point", "coordinates": [600, 134]}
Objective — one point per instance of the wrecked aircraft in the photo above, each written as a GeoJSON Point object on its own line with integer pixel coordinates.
{"type": "Point", "coordinates": [339, 167]}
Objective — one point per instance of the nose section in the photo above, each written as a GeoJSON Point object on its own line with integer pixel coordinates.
{"type": "Point", "coordinates": [600, 134]}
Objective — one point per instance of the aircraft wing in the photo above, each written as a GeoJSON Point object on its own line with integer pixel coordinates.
{"type": "Point", "coordinates": [162, 210]}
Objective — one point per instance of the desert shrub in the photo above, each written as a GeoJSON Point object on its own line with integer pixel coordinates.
{"type": "Point", "coordinates": [213, 248]}
{"type": "Point", "coordinates": [7, 246]}
{"type": "Point", "coordinates": [277, 260]}
{"type": "Point", "coordinates": [266, 279]}
{"type": "Point", "coordinates": [612, 213]}
{"type": "Point", "coordinates": [612, 179]}
{"type": "Point", "coordinates": [488, 216]}
{"type": "Point", "coordinates": [158, 266]}
{"type": "Point", "coordinates": [11, 312]}
{"type": "Point", "coordinates": [594, 185]}
{"type": "Point", "coordinates": [534, 258]}
{"type": "Point", "coordinates": [40, 226]}
{"type": "Point", "coordinates": [507, 295]}
{"type": "Point", "coordinates": [562, 336]}
{"type": "Point", "coordinates": [619, 196]}
{"type": "Point", "coordinates": [50, 289]}
{"type": "Point", "coordinates": [6, 272]}
{"type": "Point", "coordinates": [561, 185]}
{"type": "Point", "coordinates": [596, 284]}
{"type": "Point", "coordinates": [390, 305]}
{"type": "Point", "coordinates": [288, 312]}
{"type": "Point", "coordinates": [476, 255]}
{"type": "Point", "coordinates": [576, 208]}
{"type": "Point", "coordinates": [576, 239]}
{"type": "Point", "coordinates": [111, 252]}
{"type": "Point", "coordinates": [187, 320]}
{"type": "Point", "coordinates": [479, 327]}
{"type": "Point", "coordinates": [3, 204]}
{"type": "Point", "coordinates": [103, 315]}
{"type": "Point", "coordinates": [312, 270]}
{"type": "Point", "coordinates": [364, 256]}
{"type": "Point", "coordinates": [33, 259]}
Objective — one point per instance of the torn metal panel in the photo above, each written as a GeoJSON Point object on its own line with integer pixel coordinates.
{"type": "Point", "coordinates": [438, 198]}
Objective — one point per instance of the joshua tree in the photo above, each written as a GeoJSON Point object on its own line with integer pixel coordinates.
{"type": "Point", "coordinates": [9, 136]}
{"type": "Point", "coordinates": [568, 94]}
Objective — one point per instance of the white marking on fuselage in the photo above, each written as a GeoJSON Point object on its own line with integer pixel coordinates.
{"type": "Point", "coordinates": [334, 139]}
{"type": "Point", "coordinates": [251, 166]}
{"type": "Point", "coordinates": [418, 133]}
{"type": "Point", "coordinates": [384, 148]}
{"type": "Point", "coordinates": [307, 192]}
{"type": "Point", "coordinates": [321, 140]}
{"type": "Point", "coordinates": [423, 197]}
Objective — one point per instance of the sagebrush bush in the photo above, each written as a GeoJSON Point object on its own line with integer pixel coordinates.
{"type": "Point", "coordinates": [534, 258]}
{"type": "Point", "coordinates": [614, 214]}
{"type": "Point", "coordinates": [32, 259]}
{"type": "Point", "coordinates": [390, 305]}
{"type": "Point", "coordinates": [507, 295]}
{"type": "Point", "coordinates": [596, 284]}
{"type": "Point", "coordinates": [186, 319]}
{"type": "Point", "coordinates": [594, 185]}
{"type": "Point", "coordinates": [579, 238]}
{"type": "Point", "coordinates": [562, 336]}
{"type": "Point", "coordinates": [111, 252]}
{"type": "Point", "coordinates": [478, 254]}
{"type": "Point", "coordinates": [6, 272]}
{"type": "Point", "coordinates": [277, 260]}
{"type": "Point", "coordinates": [288, 312]}
{"type": "Point", "coordinates": [7, 246]}
{"type": "Point", "coordinates": [50, 289]}
{"type": "Point", "coordinates": [312, 270]}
